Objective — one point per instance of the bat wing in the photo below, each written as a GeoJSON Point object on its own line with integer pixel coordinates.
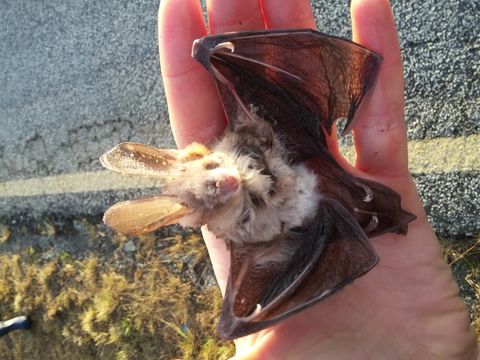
{"type": "Point", "coordinates": [295, 79]}
{"type": "Point", "coordinates": [375, 207]}
{"type": "Point", "coordinates": [135, 217]}
{"type": "Point", "coordinates": [271, 281]}
{"type": "Point", "coordinates": [300, 82]}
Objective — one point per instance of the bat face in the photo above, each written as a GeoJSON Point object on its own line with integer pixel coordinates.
{"type": "Point", "coordinates": [296, 223]}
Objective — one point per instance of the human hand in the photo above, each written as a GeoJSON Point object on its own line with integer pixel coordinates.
{"type": "Point", "coordinates": [408, 305]}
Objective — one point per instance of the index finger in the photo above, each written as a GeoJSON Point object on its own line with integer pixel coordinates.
{"type": "Point", "coordinates": [196, 113]}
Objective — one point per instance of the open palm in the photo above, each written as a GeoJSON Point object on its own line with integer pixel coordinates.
{"type": "Point", "coordinates": [408, 306]}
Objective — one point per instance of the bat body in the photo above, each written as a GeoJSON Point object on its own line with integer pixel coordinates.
{"type": "Point", "coordinates": [296, 223]}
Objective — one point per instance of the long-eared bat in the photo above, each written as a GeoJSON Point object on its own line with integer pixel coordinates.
{"type": "Point", "coordinates": [296, 223]}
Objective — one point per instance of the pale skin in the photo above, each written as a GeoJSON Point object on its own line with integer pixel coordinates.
{"type": "Point", "coordinates": [408, 306]}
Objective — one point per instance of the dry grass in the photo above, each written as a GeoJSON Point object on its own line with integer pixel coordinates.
{"type": "Point", "coordinates": [83, 309]}
{"type": "Point", "coordinates": [153, 306]}
{"type": "Point", "coordinates": [464, 258]}
{"type": "Point", "coordinates": [4, 233]}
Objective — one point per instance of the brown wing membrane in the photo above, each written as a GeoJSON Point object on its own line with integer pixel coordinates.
{"type": "Point", "coordinates": [133, 158]}
{"type": "Point", "coordinates": [300, 81]}
{"type": "Point", "coordinates": [317, 262]}
{"type": "Point", "coordinates": [135, 217]}
{"type": "Point", "coordinates": [295, 79]}
{"type": "Point", "coordinates": [376, 207]}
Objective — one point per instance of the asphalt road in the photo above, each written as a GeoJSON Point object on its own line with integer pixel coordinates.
{"type": "Point", "coordinates": [80, 76]}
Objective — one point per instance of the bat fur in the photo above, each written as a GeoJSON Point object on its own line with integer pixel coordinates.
{"type": "Point", "coordinates": [244, 190]}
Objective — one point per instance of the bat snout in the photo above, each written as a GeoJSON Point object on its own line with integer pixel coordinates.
{"type": "Point", "coordinates": [227, 185]}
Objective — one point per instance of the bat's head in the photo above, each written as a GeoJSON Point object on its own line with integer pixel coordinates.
{"type": "Point", "coordinates": [222, 187]}
{"type": "Point", "coordinates": [206, 183]}
{"type": "Point", "coordinates": [230, 187]}
{"type": "Point", "coordinates": [257, 209]}
{"type": "Point", "coordinates": [237, 187]}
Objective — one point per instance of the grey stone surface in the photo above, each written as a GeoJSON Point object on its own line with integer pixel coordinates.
{"type": "Point", "coordinates": [452, 201]}
{"type": "Point", "coordinates": [80, 76]}
{"type": "Point", "coordinates": [77, 77]}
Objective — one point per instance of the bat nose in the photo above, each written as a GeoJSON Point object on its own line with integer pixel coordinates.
{"type": "Point", "coordinates": [227, 185]}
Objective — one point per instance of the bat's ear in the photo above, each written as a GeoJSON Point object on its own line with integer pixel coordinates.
{"type": "Point", "coordinates": [141, 216]}
{"type": "Point", "coordinates": [133, 158]}
{"type": "Point", "coordinates": [139, 159]}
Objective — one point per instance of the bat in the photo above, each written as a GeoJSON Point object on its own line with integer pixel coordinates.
{"type": "Point", "coordinates": [296, 223]}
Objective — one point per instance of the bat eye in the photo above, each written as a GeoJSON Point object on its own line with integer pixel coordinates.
{"type": "Point", "coordinates": [210, 165]}
{"type": "Point", "coordinates": [252, 164]}
{"type": "Point", "coordinates": [267, 172]}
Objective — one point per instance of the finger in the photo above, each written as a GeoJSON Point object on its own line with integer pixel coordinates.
{"type": "Point", "coordinates": [288, 14]}
{"type": "Point", "coordinates": [195, 110]}
{"type": "Point", "coordinates": [234, 15]}
{"type": "Point", "coordinates": [380, 135]}
{"type": "Point", "coordinates": [219, 256]}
